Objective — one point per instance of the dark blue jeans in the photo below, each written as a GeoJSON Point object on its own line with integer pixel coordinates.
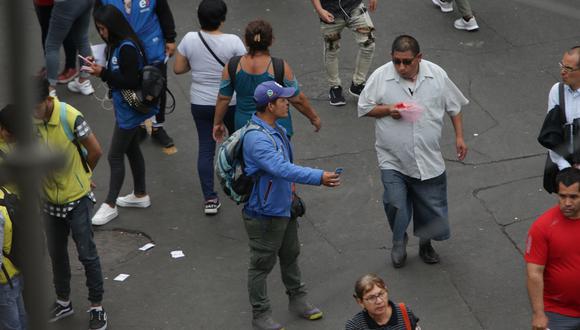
{"type": "Point", "coordinates": [69, 18]}
{"type": "Point", "coordinates": [562, 322]}
{"type": "Point", "coordinates": [203, 118]}
{"type": "Point", "coordinates": [423, 201]}
{"type": "Point", "coordinates": [77, 223]}
{"type": "Point", "coordinates": [12, 314]}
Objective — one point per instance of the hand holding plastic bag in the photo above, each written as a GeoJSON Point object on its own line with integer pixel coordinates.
{"type": "Point", "coordinates": [410, 111]}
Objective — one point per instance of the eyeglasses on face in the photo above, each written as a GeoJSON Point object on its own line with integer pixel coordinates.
{"type": "Point", "coordinates": [405, 61]}
{"type": "Point", "coordinates": [567, 68]}
{"type": "Point", "coordinates": [374, 298]}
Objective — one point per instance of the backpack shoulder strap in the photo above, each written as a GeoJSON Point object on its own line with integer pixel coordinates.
{"type": "Point", "coordinates": [255, 127]}
{"type": "Point", "coordinates": [562, 102]}
{"type": "Point", "coordinates": [233, 68]}
{"type": "Point", "coordinates": [64, 122]}
{"type": "Point", "coordinates": [278, 64]}
{"type": "Point", "coordinates": [70, 135]}
{"type": "Point", "coordinates": [405, 316]}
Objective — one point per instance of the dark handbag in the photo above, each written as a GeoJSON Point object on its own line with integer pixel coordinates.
{"type": "Point", "coordinates": [552, 133]}
{"type": "Point", "coordinates": [550, 172]}
{"type": "Point", "coordinates": [298, 208]}
{"type": "Point", "coordinates": [552, 136]}
{"type": "Point", "coordinates": [148, 96]}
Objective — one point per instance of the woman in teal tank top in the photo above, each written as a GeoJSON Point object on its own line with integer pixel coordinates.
{"type": "Point", "coordinates": [253, 69]}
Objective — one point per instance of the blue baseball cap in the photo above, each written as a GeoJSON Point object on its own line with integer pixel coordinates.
{"type": "Point", "coordinates": [269, 91]}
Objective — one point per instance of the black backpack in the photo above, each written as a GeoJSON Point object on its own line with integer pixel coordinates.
{"type": "Point", "coordinates": [277, 63]}
{"type": "Point", "coordinates": [16, 255]}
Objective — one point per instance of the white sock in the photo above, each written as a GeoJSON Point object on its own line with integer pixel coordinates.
{"type": "Point", "coordinates": [63, 303]}
{"type": "Point", "coordinates": [98, 308]}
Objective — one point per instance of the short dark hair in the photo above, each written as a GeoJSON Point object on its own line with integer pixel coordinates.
{"type": "Point", "coordinates": [211, 13]}
{"type": "Point", "coordinates": [261, 108]}
{"type": "Point", "coordinates": [575, 51]}
{"type": "Point", "coordinates": [568, 177]}
{"type": "Point", "coordinates": [40, 86]}
{"type": "Point", "coordinates": [258, 36]}
{"type": "Point", "coordinates": [8, 118]}
{"type": "Point", "coordinates": [405, 43]}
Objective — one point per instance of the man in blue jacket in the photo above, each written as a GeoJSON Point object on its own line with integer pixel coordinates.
{"type": "Point", "coordinates": [271, 229]}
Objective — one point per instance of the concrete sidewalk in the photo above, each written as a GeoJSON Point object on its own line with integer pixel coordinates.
{"type": "Point", "coordinates": [505, 70]}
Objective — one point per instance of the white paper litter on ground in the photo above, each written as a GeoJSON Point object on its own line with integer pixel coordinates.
{"type": "Point", "coordinates": [177, 254]}
{"type": "Point", "coordinates": [121, 277]}
{"type": "Point", "coordinates": [146, 246]}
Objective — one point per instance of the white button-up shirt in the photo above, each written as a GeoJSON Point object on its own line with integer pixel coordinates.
{"type": "Point", "coordinates": [572, 106]}
{"type": "Point", "coordinates": [412, 148]}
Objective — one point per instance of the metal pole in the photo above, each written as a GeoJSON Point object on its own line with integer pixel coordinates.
{"type": "Point", "coordinates": [25, 164]}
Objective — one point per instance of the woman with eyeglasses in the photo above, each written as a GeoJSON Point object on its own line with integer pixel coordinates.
{"type": "Point", "coordinates": [378, 312]}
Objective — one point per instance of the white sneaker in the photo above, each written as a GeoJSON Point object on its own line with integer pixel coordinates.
{"type": "Point", "coordinates": [84, 88]}
{"type": "Point", "coordinates": [445, 6]}
{"type": "Point", "coordinates": [133, 201]}
{"type": "Point", "coordinates": [462, 24]}
{"type": "Point", "coordinates": [104, 215]}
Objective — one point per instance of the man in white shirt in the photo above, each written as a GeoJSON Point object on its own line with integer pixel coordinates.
{"type": "Point", "coordinates": [570, 73]}
{"type": "Point", "coordinates": [409, 153]}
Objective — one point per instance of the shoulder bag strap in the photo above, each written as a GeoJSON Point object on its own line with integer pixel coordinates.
{"type": "Point", "coordinates": [69, 134]}
{"type": "Point", "coordinates": [278, 64]}
{"type": "Point", "coordinates": [232, 69]}
{"type": "Point", "coordinates": [562, 103]}
{"type": "Point", "coordinates": [210, 50]}
{"type": "Point", "coordinates": [405, 316]}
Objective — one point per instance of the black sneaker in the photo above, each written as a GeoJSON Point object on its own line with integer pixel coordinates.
{"type": "Point", "coordinates": [336, 97]}
{"type": "Point", "coordinates": [59, 311]}
{"type": "Point", "coordinates": [97, 319]}
{"type": "Point", "coordinates": [212, 206]}
{"type": "Point", "coordinates": [355, 90]}
{"type": "Point", "coordinates": [160, 136]}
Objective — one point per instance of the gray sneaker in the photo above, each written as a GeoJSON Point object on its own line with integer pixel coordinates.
{"type": "Point", "coordinates": [266, 322]}
{"type": "Point", "coordinates": [304, 309]}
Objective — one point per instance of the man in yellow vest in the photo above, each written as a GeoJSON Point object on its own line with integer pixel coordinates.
{"type": "Point", "coordinates": [12, 313]}
{"type": "Point", "coordinates": [69, 201]}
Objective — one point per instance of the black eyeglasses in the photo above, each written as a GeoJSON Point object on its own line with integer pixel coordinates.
{"type": "Point", "coordinates": [373, 299]}
{"type": "Point", "coordinates": [405, 61]}
{"type": "Point", "coordinates": [567, 68]}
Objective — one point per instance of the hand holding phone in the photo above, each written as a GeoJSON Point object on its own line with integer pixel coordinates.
{"type": "Point", "coordinates": [87, 61]}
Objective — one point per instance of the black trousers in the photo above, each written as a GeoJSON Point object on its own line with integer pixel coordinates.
{"type": "Point", "coordinates": [125, 142]}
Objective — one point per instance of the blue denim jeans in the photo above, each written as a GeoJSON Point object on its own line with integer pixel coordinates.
{"type": "Point", "coordinates": [562, 322]}
{"type": "Point", "coordinates": [77, 223]}
{"type": "Point", "coordinates": [203, 118]}
{"type": "Point", "coordinates": [67, 16]}
{"type": "Point", "coordinates": [423, 201]}
{"type": "Point", "coordinates": [12, 313]}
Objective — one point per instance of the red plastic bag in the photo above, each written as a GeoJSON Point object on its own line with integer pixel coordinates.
{"type": "Point", "coordinates": [410, 111]}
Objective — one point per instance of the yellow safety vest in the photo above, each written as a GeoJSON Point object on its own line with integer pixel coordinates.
{"type": "Point", "coordinates": [6, 248]}
{"type": "Point", "coordinates": [71, 182]}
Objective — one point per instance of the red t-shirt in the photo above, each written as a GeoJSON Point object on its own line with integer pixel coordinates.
{"type": "Point", "coordinates": [44, 2]}
{"type": "Point", "coordinates": [554, 241]}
